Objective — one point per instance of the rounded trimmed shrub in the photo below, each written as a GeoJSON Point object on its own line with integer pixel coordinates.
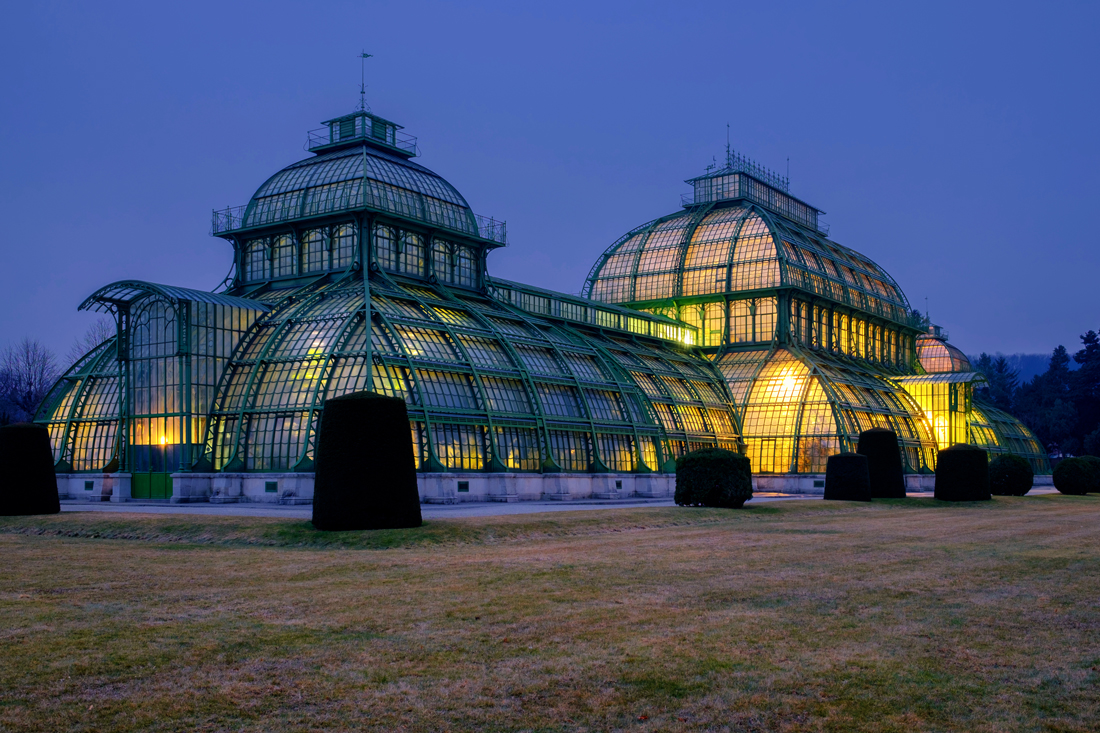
{"type": "Point", "coordinates": [847, 477]}
{"type": "Point", "coordinates": [1010, 475]}
{"type": "Point", "coordinates": [883, 463]}
{"type": "Point", "coordinates": [28, 484]}
{"type": "Point", "coordinates": [1076, 476]}
{"type": "Point", "coordinates": [962, 474]}
{"type": "Point", "coordinates": [366, 475]}
{"type": "Point", "coordinates": [713, 477]}
{"type": "Point", "coordinates": [1093, 461]}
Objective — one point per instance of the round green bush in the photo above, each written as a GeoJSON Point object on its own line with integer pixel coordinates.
{"type": "Point", "coordinates": [713, 477]}
{"type": "Point", "coordinates": [848, 477]}
{"type": "Point", "coordinates": [1093, 461]}
{"type": "Point", "coordinates": [883, 463]}
{"type": "Point", "coordinates": [962, 474]}
{"type": "Point", "coordinates": [1010, 475]}
{"type": "Point", "coordinates": [1076, 476]}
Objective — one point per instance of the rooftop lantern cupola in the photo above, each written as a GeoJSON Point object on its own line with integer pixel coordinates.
{"type": "Point", "coordinates": [744, 179]}
{"type": "Point", "coordinates": [362, 127]}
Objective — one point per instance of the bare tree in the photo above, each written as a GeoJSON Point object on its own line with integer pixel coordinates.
{"type": "Point", "coordinates": [27, 371]}
{"type": "Point", "coordinates": [97, 333]}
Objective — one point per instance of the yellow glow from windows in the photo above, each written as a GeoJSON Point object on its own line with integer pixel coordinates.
{"type": "Point", "coordinates": [164, 440]}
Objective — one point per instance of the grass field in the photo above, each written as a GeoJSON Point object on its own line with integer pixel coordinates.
{"type": "Point", "coordinates": [908, 615]}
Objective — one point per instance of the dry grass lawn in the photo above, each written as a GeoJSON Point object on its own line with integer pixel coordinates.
{"type": "Point", "coordinates": [908, 615]}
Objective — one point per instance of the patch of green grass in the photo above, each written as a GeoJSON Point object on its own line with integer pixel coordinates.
{"type": "Point", "coordinates": [794, 616]}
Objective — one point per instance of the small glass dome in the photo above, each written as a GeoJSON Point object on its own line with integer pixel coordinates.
{"type": "Point", "coordinates": [936, 355]}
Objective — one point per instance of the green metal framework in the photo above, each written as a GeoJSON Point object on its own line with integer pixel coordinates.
{"type": "Point", "coordinates": [490, 386]}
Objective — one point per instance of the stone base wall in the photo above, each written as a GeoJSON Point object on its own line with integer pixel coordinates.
{"type": "Point", "coordinates": [441, 488]}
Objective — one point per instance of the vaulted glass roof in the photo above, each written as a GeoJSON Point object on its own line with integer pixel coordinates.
{"type": "Point", "coordinates": [706, 251]}
{"type": "Point", "coordinates": [354, 177]}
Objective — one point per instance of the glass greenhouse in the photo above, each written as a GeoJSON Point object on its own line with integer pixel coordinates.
{"type": "Point", "coordinates": [498, 377]}
{"type": "Point", "coordinates": [817, 343]}
{"type": "Point", "coordinates": [735, 322]}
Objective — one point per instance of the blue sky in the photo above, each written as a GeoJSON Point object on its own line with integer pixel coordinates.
{"type": "Point", "coordinates": [953, 143]}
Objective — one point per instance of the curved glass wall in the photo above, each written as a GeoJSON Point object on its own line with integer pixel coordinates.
{"type": "Point", "coordinates": [798, 408]}
{"type": "Point", "coordinates": [998, 432]}
{"type": "Point", "coordinates": [81, 412]}
{"type": "Point", "coordinates": [489, 387]}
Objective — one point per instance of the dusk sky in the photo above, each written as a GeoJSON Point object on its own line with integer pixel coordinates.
{"type": "Point", "coordinates": [956, 144]}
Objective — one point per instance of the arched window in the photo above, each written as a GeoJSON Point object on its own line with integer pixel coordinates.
{"type": "Point", "coordinates": [465, 267]}
{"type": "Point", "coordinates": [256, 260]}
{"type": "Point", "coordinates": [314, 251]}
{"type": "Point", "coordinates": [284, 258]}
{"type": "Point", "coordinates": [442, 261]}
{"type": "Point", "coordinates": [412, 254]}
{"type": "Point", "coordinates": [385, 247]}
{"type": "Point", "coordinates": [344, 241]}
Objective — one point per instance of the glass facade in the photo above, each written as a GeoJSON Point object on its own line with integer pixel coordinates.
{"type": "Point", "coordinates": [734, 323]}
{"type": "Point", "coordinates": [489, 387]}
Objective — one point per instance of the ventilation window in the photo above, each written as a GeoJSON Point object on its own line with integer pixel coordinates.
{"type": "Point", "coordinates": [89, 485]}
{"type": "Point", "coordinates": [347, 129]}
{"type": "Point", "coordinates": [271, 487]}
{"type": "Point", "coordinates": [464, 487]}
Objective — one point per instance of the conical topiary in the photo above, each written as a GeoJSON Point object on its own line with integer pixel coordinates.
{"type": "Point", "coordinates": [883, 463]}
{"type": "Point", "coordinates": [847, 477]}
{"type": "Point", "coordinates": [366, 475]}
{"type": "Point", "coordinates": [28, 484]}
{"type": "Point", "coordinates": [962, 474]}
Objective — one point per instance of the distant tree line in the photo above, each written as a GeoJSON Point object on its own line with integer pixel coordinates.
{"type": "Point", "coordinates": [1061, 405]}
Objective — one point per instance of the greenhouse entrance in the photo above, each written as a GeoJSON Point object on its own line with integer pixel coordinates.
{"type": "Point", "coordinates": [150, 485]}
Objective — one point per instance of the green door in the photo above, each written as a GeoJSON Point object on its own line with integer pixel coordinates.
{"type": "Point", "coordinates": [149, 485]}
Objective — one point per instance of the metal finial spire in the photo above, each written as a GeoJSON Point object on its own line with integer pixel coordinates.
{"type": "Point", "coordinates": [729, 158]}
{"type": "Point", "coordinates": [363, 56]}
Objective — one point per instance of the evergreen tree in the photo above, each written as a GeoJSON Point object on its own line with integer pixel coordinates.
{"type": "Point", "coordinates": [1085, 385]}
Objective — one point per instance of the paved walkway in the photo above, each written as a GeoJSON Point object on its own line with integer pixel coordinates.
{"type": "Point", "coordinates": [429, 511]}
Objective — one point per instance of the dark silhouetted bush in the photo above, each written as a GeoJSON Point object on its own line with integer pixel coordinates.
{"type": "Point", "coordinates": [713, 477]}
{"type": "Point", "coordinates": [883, 463]}
{"type": "Point", "coordinates": [1010, 475]}
{"type": "Point", "coordinates": [366, 476]}
{"type": "Point", "coordinates": [28, 484]}
{"type": "Point", "coordinates": [962, 474]}
{"type": "Point", "coordinates": [1077, 476]}
{"type": "Point", "coordinates": [847, 477]}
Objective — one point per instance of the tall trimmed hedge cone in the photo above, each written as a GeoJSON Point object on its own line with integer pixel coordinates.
{"type": "Point", "coordinates": [28, 484]}
{"type": "Point", "coordinates": [847, 477]}
{"type": "Point", "coordinates": [883, 463]}
{"type": "Point", "coordinates": [713, 477]}
{"type": "Point", "coordinates": [366, 475]}
{"type": "Point", "coordinates": [962, 474]}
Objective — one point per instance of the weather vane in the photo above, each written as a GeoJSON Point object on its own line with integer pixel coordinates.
{"type": "Point", "coordinates": [363, 56]}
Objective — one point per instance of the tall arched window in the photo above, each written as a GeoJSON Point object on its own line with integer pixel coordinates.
{"type": "Point", "coordinates": [284, 258]}
{"type": "Point", "coordinates": [442, 261]}
{"type": "Point", "coordinates": [465, 267]}
{"type": "Point", "coordinates": [343, 246]}
{"type": "Point", "coordinates": [412, 253]}
{"type": "Point", "coordinates": [315, 251]}
{"type": "Point", "coordinates": [385, 247]}
{"type": "Point", "coordinates": [256, 260]}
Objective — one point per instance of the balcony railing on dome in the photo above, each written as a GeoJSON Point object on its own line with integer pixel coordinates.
{"type": "Point", "coordinates": [232, 219]}
{"type": "Point", "coordinates": [491, 229]}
